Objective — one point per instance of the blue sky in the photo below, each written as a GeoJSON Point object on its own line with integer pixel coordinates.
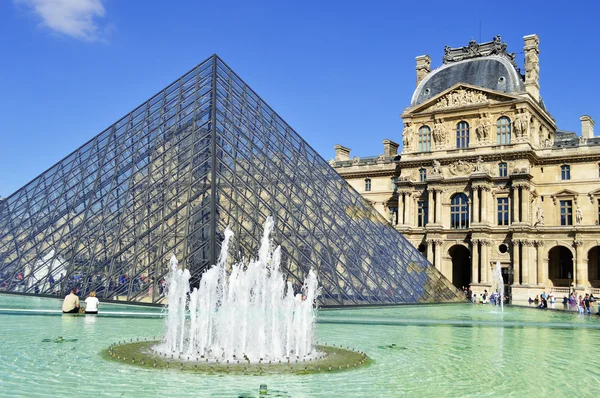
{"type": "Point", "coordinates": [336, 71]}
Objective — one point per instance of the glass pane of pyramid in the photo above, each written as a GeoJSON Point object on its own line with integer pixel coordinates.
{"type": "Point", "coordinates": [204, 153]}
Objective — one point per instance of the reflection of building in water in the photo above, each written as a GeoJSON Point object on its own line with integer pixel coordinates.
{"type": "Point", "coordinates": [485, 175]}
{"type": "Point", "coordinates": [204, 153]}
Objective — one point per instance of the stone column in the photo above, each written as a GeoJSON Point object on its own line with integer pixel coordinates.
{"type": "Point", "coordinates": [580, 277]}
{"type": "Point", "coordinates": [516, 265]}
{"type": "Point", "coordinates": [475, 208]}
{"type": "Point", "coordinates": [485, 264]}
{"type": "Point", "coordinates": [485, 192]}
{"type": "Point", "coordinates": [438, 206]}
{"type": "Point", "coordinates": [407, 208]}
{"type": "Point", "coordinates": [430, 206]}
{"type": "Point", "coordinates": [515, 204]}
{"type": "Point", "coordinates": [400, 207]}
{"type": "Point", "coordinates": [539, 244]}
{"type": "Point", "coordinates": [429, 251]}
{"type": "Point", "coordinates": [415, 206]}
{"type": "Point", "coordinates": [475, 261]}
{"type": "Point", "coordinates": [525, 204]}
{"type": "Point", "coordinates": [525, 266]}
{"type": "Point", "coordinates": [438, 254]}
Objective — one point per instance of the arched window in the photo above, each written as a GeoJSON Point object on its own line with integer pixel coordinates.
{"type": "Point", "coordinates": [462, 135]}
{"type": "Point", "coordinates": [503, 130]}
{"type": "Point", "coordinates": [459, 211]}
{"type": "Point", "coordinates": [425, 139]}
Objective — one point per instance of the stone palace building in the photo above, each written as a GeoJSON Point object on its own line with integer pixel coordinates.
{"type": "Point", "coordinates": [485, 176]}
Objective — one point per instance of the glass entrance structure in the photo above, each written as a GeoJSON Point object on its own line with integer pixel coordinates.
{"type": "Point", "coordinates": [203, 153]}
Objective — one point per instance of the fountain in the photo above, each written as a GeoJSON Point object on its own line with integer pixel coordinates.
{"type": "Point", "coordinates": [240, 319]}
{"type": "Point", "coordinates": [498, 283]}
{"type": "Point", "coordinates": [251, 313]}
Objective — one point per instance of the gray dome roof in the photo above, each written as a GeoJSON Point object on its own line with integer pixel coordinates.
{"type": "Point", "coordinates": [493, 72]}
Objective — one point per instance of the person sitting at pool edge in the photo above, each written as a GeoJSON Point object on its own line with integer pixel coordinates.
{"type": "Point", "coordinates": [71, 303]}
{"type": "Point", "coordinates": [91, 304]}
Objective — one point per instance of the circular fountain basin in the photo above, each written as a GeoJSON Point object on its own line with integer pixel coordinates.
{"type": "Point", "coordinates": [141, 353]}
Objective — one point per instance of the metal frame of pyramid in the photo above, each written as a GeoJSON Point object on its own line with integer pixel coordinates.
{"type": "Point", "coordinates": [204, 153]}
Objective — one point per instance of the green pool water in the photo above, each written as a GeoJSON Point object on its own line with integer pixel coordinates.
{"type": "Point", "coordinates": [441, 350]}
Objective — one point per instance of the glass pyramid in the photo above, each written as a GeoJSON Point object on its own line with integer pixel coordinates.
{"type": "Point", "coordinates": [204, 153]}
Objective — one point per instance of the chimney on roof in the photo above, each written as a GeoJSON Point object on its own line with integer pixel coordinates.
{"type": "Point", "coordinates": [390, 148]}
{"type": "Point", "coordinates": [587, 126]}
{"type": "Point", "coordinates": [423, 67]}
{"type": "Point", "coordinates": [532, 65]}
{"type": "Point", "coordinates": [341, 153]}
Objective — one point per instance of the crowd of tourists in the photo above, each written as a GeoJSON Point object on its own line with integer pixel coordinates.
{"type": "Point", "coordinates": [584, 304]}
{"type": "Point", "coordinates": [484, 298]}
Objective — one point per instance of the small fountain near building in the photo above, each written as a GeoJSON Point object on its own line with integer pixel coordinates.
{"type": "Point", "coordinates": [498, 283]}
{"type": "Point", "coordinates": [242, 319]}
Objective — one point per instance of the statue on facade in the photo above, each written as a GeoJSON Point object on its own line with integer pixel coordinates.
{"type": "Point", "coordinates": [482, 129]}
{"type": "Point", "coordinates": [521, 124]}
{"type": "Point", "coordinates": [407, 135]}
{"type": "Point", "coordinates": [532, 66]}
{"type": "Point", "coordinates": [479, 167]}
{"type": "Point", "coordinates": [539, 215]}
{"type": "Point", "coordinates": [436, 169]}
{"type": "Point", "coordinates": [392, 217]}
{"type": "Point", "coordinates": [578, 216]}
{"type": "Point", "coordinates": [439, 133]}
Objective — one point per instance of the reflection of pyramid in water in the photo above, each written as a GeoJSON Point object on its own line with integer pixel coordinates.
{"type": "Point", "coordinates": [204, 153]}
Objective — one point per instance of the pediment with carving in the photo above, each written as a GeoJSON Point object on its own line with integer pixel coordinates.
{"type": "Point", "coordinates": [459, 96]}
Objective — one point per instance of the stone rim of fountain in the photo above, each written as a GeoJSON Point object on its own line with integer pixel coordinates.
{"type": "Point", "coordinates": [141, 354]}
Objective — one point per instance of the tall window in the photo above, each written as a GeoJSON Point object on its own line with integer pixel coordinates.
{"type": "Point", "coordinates": [425, 139]}
{"type": "Point", "coordinates": [566, 212]}
{"type": "Point", "coordinates": [422, 175]}
{"type": "Point", "coordinates": [502, 169]}
{"type": "Point", "coordinates": [598, 222]}
{"type": "Point", "coordinates": [503, 130]}
{"type": "Point", "coordinates": [565, 172]}
{"type": "Point", "coordinates": [422, 213]}
{"type": "Point", "coordinates": [459, 211]}
{"type": "Point", "coordinates": [394, 182]}
{"type": "Point", "coordinates": [462, 135]}
{"type": "Point", "coordinates": [502, 211]}
{"type": "Point", "coordinates": [367, 184]}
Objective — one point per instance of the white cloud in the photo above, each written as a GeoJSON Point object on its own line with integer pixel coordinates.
{"type": "Point", "coordinates": [75, 18]}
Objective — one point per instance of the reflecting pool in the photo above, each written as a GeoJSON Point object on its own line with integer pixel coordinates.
{"type": "Point", "coordinates": [428, 350]}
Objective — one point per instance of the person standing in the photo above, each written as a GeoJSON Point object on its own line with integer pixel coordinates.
{"type": "Point", "coordinates": [91, 303]}
{"type": "Point", "coordinates": [71, 303]}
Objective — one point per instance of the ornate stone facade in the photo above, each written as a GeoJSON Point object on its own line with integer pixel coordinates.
{"type": "Point", "coordinates": [485, 176]}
